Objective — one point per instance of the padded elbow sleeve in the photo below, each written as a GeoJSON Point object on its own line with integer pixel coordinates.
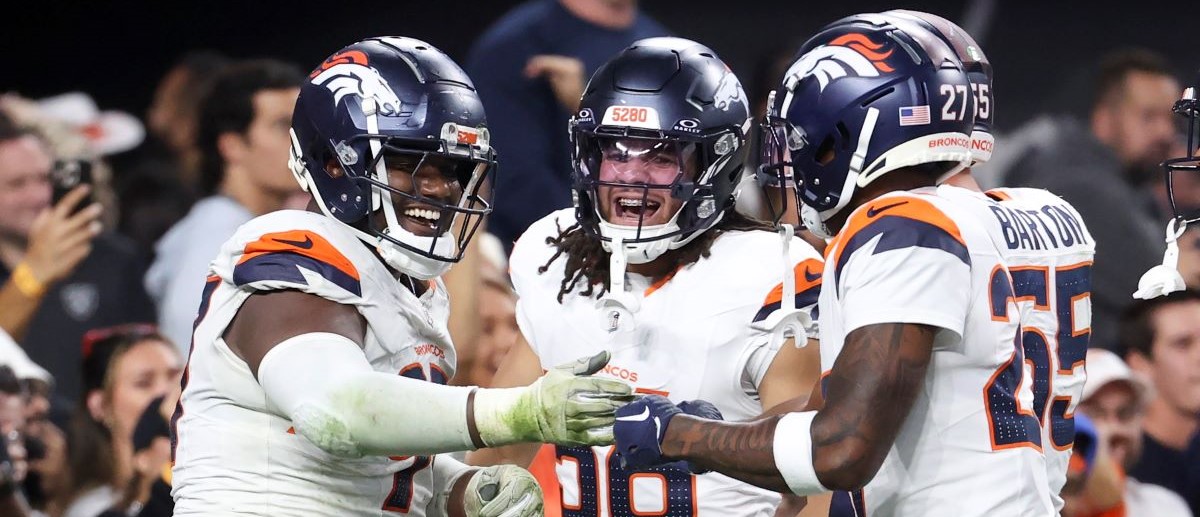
{"type": "Point", "coordinates": [323, 383]}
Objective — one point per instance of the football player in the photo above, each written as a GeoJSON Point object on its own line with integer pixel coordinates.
{"type": "Point", "coordinates": [316, 380]}
{"type": "Point", "coordinates": [1049, 253]}
{"type": "Point", "coordinates": [654, 265]}
{"type": "Point", "coordinates": [925, 397]}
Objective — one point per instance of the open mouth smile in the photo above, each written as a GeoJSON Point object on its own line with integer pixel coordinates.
{"type": "Point", "coordinates": [420, 221]}
{"type": "Point", "coordinates": [634, 209]}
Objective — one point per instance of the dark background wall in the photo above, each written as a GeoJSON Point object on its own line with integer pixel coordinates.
{"type": "Point", "coordinates": [1041, 50]}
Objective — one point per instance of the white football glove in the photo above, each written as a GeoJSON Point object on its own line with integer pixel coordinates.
{"type": "Point", "coordinates": [503, 491]}
{"type": "Point", "coordinates": [566, 406]}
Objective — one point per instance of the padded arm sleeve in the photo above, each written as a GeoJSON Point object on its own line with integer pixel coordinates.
{"type": "Point", "coordinates": [325, 386]}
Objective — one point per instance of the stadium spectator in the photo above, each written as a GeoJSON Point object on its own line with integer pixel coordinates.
{"type": "Point", "coordinates": [1115, 399]}
{"type": "Point", "coordinates": [148, 493]}
{"type": "Point", "coordinates": [158, 181]}
{"type": "Point", "coordinates": [1160, 339]}
{"type": "Point", "coordinates": [1103, 168]}
{"type": "Point", "coordinates": [14, 464]}
{"type": "Point", "coordinates": [46, 446]}
{"type": "Point", "coordinates": [124, 369]}
{"type": "Point", "coordinates": [496, 316]}
{"type": "Point", "coordinates": [243, 137]}
{"type": "Point", "coordinates": [43, 440]}
{"type": "Point", "coordinates": [529, 68]}
{"type": "Point", "coordinates": [60, 275]}
{"type": "Point", "coordinates": [173, 114]}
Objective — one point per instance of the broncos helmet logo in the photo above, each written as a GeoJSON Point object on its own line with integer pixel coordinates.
{"type": "Point", "coordinates": [849, 55]}
{"type": "Point", "coordinates": [348, 74]}
{"type": "Point", "coordinates": [729, 91]}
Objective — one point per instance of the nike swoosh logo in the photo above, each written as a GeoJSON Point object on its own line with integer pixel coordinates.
{"type": "Point", "coordinates": [304, 244]}
{"type": "Point", "coordinates": [874, 211]}
{"type": "Point", "coordinates": [809, 276]}
{"type": "Point", "coordinates": [636, 418]}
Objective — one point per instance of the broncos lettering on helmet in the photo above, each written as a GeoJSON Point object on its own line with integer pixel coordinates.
{"type": "Point", "coordinates": [890, 108]}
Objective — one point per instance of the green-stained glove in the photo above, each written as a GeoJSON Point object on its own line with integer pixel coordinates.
{"type": "Point", "coordinates": [566, 406]}
{"type": "Point", "coordinates": [503, 491]}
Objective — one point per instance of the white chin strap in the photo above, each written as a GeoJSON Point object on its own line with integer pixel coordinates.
{"type": "Point", "coordinates": [642, 252]}
{"type": "Point", "coordinates": [1164, 278]}
{"type": "Point", "coordinates": [812, 220]}
{"type": "Point", "coordinates": [787, 322]}
{"type": "Point", "coordinates": [617, 306]}
{"type": "Point", "coordinates": [412, 264]}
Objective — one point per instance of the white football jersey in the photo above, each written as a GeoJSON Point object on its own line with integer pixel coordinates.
{"type": "Point", "coordinates": [971, 445]}
{"type": "Point", "coordinates": [1049, 253]}
{"type": "Point", "coordinates": [233, 453]}
{"type": "Point", "coordinates": [694, 337]}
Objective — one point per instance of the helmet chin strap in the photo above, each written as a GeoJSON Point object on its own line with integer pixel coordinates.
{"type": "Point", "coordinates": [639, 252]}
{"type": "Point", "coordinates": [812, 220]}
{"type": "Point", "coordinates": [787, 322]}
{"type": "Point", "coordinates": [1164, 278]}
{"type": "Point", "coordinates": [617, 306]}
{"type": "Point", "coordinates": [411, 264]}
{"type": "Point", "coordinates": [648, 251]}
{"type": "Point", "coordinates": [400, 260]}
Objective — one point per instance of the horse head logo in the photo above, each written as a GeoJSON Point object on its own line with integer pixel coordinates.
{"type": "Point", "coordinates": [729, 92]}
{"type": "Point", "coordinates": [849, 55]}
{"type": "Point", "coordinates": [347, 73]}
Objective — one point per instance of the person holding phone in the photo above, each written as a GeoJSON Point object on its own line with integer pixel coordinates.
{"type": "Point", "coordinates": [59, 275]}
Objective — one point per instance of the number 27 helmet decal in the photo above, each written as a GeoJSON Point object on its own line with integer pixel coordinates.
{"type": "Point", "coordinates": [865, 98]}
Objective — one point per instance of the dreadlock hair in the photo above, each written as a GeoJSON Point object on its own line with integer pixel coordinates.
{"type": "Point", "coordinates": [587, 261]}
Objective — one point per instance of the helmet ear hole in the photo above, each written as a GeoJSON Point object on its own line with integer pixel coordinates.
{"type": "Point", "coordinates": [333, 168]}
{"type": "Point", "coordinates": [825, 153]}
{"type": "Point", "coordinates": [844, 134]}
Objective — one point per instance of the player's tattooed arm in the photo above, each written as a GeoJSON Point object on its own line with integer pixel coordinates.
{"type": "Point", "coordinates": [871, 389]}
{"type": "Point", "coordinates": [742, 450]}
{"type": "Point", "coordinates": [868, 395]}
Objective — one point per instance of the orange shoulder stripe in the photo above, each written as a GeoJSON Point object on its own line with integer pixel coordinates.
{"type": "Point", "coordinates": [998, 195]}
{"type": "Point", "coordinates": [911, 206]}
{"type": "Point", "coordinates": [300, 242]}
{"type": "Point", "coordinates": [808, 275]}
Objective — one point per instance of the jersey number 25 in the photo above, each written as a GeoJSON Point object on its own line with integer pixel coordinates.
{"type": "Point", "coordinates": [1054, 355]}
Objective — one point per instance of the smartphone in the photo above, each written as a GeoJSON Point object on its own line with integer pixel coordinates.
{"type": "Point", "coordinates": [68, 174]}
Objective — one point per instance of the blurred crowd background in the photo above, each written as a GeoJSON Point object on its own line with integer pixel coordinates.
{"type": "Point", "coordinates": [177, 116]}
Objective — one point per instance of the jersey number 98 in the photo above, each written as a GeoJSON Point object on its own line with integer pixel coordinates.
{"type": "Point", "coordinates": [587, 475]}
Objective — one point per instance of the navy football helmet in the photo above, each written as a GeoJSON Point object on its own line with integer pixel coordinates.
{"type": "Point", "coordinates": [865, 98]}
{"type": "Point", "coordinates": [395, 103]}
{"type": "Point", "coordinates": [672, 105]}
{"type": "Point", "coordinates": [979, 71]}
